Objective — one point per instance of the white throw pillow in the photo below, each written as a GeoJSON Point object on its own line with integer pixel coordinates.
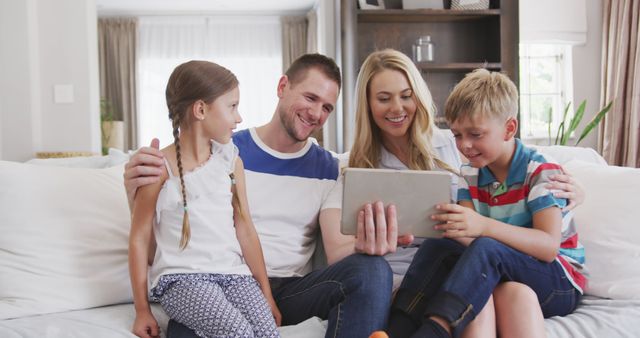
{"type": "Point", "coordinates": [564, 154]}
{"type": "Point", "coordinates": [609, 228]}
{"type": "Point", "coordinates": [63, 239]}
{"type": "Point", "coordinates": [117, 156]}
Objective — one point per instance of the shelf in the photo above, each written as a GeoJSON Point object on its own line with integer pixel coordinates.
{"type": "Point", "coordinates": [462, 66]}
{"type": "Point", "coordinates": [424, 15]}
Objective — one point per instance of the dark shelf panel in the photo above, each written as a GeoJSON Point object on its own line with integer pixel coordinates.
{"type": "Point", "coordinates": [459, 66]}
{"type": "Point", "coordinates": [424, 15]}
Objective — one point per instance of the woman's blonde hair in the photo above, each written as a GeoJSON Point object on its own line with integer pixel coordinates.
{"type": "Point", "coordinates": [365, 152]}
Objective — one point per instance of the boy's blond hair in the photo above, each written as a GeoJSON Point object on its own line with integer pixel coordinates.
{"type": "Point", "coordinates": [482, 94]}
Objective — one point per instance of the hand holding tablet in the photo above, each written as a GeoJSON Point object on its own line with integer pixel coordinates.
{"type": "Point", "coordinates": [415, 193]}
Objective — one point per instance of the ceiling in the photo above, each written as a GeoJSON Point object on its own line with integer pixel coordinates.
{"type": "Point", "coordinates": [199, 6]}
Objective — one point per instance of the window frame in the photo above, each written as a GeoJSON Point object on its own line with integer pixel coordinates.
{"type": "Point", "coordinates": [561, 94]}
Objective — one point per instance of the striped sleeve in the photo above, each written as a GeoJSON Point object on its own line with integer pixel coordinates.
{"type": "Point", "coordinates": [463, 183]}
{"type": "Point", "coordinates": [539, 197]}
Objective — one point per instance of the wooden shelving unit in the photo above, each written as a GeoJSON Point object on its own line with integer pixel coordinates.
{"type": "Point", "coordinates": [463, 41]}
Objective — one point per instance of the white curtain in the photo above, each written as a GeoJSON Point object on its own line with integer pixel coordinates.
{"type": "Point", "coordinates": [251, 47]}
{"type": "Point", "coordinates": [552, 21]}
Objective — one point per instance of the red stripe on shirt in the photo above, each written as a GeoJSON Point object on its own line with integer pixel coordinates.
{"type": "Point", "coordinates": [570, 243]}
{"type": "Point", "coordinates": [510, 197]}
{"type": "Point", "coordinates": [577, 277]}
{"type": "Point", "coordinates": [542, 167]}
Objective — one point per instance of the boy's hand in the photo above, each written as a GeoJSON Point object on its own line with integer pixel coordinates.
{"type": "Point", "coordinates": [458, 221]}
{"type": "Point", "coordinates": [145, 326]}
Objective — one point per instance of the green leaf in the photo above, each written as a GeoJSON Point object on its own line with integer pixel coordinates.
{"type": "Point", "coordinates": [560, 133]}
{"type": "Point", "coordinates": [575, 121]}
{"type": "Point", "coordinates": [594, 122]}
{"type": "Point", "coordinates": [549, 118]}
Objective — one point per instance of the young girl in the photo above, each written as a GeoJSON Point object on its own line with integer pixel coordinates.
{"type": "Point", "coordinates": [201, 274]}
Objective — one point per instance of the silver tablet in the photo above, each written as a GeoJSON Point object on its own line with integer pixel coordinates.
{"type": "Point", "coordinates": [414, 192]}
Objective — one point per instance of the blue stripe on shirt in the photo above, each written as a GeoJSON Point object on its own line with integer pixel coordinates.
{"type": "Point", "coordinates": [544, 202]}
{"type": "Point", "coordinates": [316, 163]}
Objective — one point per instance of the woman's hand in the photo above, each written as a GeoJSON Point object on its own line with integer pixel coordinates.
{"type": "Point", "coordinates": [567, 187]}
{"type": "Point", "coordinates": [458, 221]}
{"type": "Point", "coordinates": [146, 326]}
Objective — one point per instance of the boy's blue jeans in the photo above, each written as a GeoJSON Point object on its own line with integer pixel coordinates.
{"type": "Point", "coordinates": [449, 280]}
{"type": "Point", "coordinates": [354, 294]}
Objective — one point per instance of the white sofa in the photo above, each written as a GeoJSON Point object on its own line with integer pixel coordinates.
{"type": "Point", "coordinates": [63, 250]}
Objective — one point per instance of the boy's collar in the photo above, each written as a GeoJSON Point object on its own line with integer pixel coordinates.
{"type": "Point", "coordinates": [517, 168]}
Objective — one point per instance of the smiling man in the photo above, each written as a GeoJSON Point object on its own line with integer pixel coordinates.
{"type": "Point", "coordinates": [291, 187]}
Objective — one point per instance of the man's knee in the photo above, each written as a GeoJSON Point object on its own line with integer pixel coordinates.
{"type": "Point", "coordinates": [366, 273]}
{"type": "Point", "coordinates": [368, 266]}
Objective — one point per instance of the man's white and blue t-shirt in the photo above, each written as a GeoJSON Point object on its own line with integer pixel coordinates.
{"type": "Point", "coordinates": [286, 192]}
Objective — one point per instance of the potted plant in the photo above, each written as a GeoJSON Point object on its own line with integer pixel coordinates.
{"type": "Point", "coordinates": [111, 129]}
{"type": "Point", "coordinates": [565, 130]}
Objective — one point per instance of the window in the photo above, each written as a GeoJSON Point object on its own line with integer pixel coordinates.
{"type": "Point", "coordinates": [546, 87]}
{"type": "Point", "coordinates": [251, 47]}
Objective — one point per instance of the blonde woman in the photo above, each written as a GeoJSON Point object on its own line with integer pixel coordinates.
{"type": "Point", "coordinates": [395, 130]}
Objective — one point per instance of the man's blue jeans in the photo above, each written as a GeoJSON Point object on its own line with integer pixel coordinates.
{"type": "Point", "coordinates": [449, 280]}
{"type": "Point", "coordinates": [354, 294]}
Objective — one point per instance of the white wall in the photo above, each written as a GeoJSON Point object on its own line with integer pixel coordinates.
{"type": "Point", "coordinates": [587, 69]}
{"type": "Point", "coordinates": [46, 43]}
{"type": "Point", "coordinates": [16, 70]}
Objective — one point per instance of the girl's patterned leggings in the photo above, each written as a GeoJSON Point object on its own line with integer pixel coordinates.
{"type": "Point", "coordinates": [215, 305]}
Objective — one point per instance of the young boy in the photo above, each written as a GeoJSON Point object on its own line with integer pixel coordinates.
{"type": "Point", "coordinates": [507, 226]}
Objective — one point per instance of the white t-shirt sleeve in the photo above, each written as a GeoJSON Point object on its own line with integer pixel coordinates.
{"type": "Point", "coordinates": [334, 196]}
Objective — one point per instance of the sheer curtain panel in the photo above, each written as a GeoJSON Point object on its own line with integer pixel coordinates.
{"type": "Point", "coordinates": [251, 47]}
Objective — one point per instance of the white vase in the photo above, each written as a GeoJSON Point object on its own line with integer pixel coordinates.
{"type": "Point", "coordinates": [113, 134]}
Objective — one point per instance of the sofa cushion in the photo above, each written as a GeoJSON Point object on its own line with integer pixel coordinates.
{"type": "Point", "coordinates": [564, 154]}
{"type": "Point", "coordinates": [608, 228]}
{"type": "Point", "coordinates": [64, 239]}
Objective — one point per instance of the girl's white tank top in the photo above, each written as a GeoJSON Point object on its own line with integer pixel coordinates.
{"type": "Point", "coordinates": [213, 247]}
